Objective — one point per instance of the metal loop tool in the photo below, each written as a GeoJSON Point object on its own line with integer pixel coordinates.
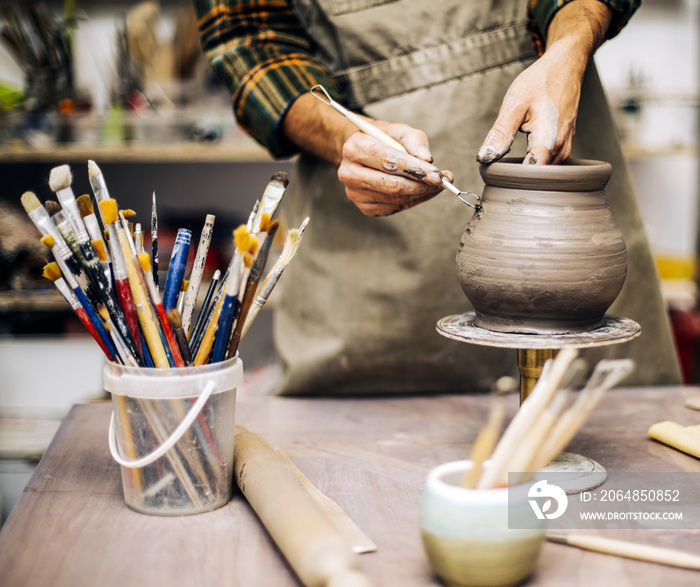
{"type": "Point", "coordinates": [368, 128]}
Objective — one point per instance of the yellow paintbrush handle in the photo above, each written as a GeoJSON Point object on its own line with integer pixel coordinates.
{"type": "Point", "coordinates": [144, 312]}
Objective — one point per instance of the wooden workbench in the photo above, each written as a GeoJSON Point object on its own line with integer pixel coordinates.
{"type": "Point", "coordinates": [71, 528]}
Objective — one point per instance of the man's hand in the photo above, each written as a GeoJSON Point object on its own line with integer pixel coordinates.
{"type": "Point", "coordinates": [543, 100]}
{"type": "Point", "coordinates": [379, 180]}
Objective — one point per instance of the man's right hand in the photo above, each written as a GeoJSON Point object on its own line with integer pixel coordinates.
{"type": "Point", "coordinates": [378, 179]}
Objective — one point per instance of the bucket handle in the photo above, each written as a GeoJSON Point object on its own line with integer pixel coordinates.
{"type": "Point", "coordinates": [169, 443]}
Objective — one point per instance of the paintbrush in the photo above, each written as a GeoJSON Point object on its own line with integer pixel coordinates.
{"type": "Point", "coordinates": [98, 185]}
{"type": "Point", "coordinates": [108, 212]}
{"type": "Point", "coordinates": [138, 238]}
{"type": "Point", "coordinates": [95, 320]}
{"type": "Point", "coordinates": [145, 261]}
{"type": "Point", "coordinates": [184, 286]}
{"type": "Point", "coordinates": [176, 322]}
{"type": "Point", "coordinates": [64, 227]}
{"type": "Point", "coordinates": [213, 306]}
{"type": "Point", "coordinates": [200, 260]}
{"type": "Point", "coordinates": [228, 309]}
{"type": "Point", "coordinates": [271, 198]}
{"type": "Point", "coordinates": [60, 180]}
{"type": "Point", "coordinates": [87, 213]}
{"type": "Point", "coordinates": [41, 219]}
{"type": "Point", "coordinates": [292, 241]}
{"type": "Point", "coordinates": [204, 310]}
{"type": "Point", "coordinates": [252, 286]}
{"type": "Point", "coordinates": [176, 270]}
{"type": "Point", "coordinates": [124, 353]}
{"type": "Point", "coordinates": [643, 552]}
{"type": "Point", "coordinates": [246, 243]}
{"type": "Point", "coordinates": [66, 231]}
{"type": "Point", "coordinates": [154, 240]}
{"type": "Point", "coordinates": [144, 311]}
{"type": "Point", "coordinates": [53, 273]}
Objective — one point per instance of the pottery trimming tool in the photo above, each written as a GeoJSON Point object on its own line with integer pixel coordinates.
{"type": "Point", "coordinates": [368, 128]}
{"type": "Point", "coordinates": [533, 351]}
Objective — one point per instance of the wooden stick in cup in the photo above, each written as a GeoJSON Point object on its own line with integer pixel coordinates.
{"type": "Point", "coordinates": [542, 394]}
{"type": "Point", "coordinates": [607, 374]}
{"type": "Point", "coordinates": [488, 436]}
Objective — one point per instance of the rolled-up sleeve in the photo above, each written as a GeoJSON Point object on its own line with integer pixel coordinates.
{"type": "Point", "coordinates": [541, 12]}
{"type": "Point", "coordinates": [261, 53]}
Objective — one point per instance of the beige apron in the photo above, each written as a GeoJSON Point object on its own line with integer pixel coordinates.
{"type": "Point", "coordinates": [361, 299]}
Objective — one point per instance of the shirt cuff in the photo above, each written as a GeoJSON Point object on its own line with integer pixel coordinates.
{"type": "Point", "coordinates": [541, 13]}
{"type": "Point", "coordinates": [267, 93]}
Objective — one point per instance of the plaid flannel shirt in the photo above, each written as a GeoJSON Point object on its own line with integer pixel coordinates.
{"type": "Point", "coordinates": [260, 51]}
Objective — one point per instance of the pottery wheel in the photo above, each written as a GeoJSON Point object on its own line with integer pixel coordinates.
{"type": "Point", "coordinates": [462, 327]}
{"type": "Point", "coordinates": [533, 349]}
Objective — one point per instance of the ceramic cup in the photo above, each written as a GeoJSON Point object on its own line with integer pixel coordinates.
{"type": "Point", "coordinates": [465, 531]}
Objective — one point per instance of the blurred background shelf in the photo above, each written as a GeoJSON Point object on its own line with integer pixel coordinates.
{"type": "Point", "coordinates": [180, 152]}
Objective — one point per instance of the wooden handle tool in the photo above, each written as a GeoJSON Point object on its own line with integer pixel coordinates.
{"type": "Point", "coordinates": [368, 128]}
{"type": "Point", "coordinates": [313, 546]}
{"type": "Point", "coordinates": [644, 552]}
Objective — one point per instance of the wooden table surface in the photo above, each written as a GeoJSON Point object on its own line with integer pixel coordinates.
{"type": "Point", "coordinates": [71, 527]}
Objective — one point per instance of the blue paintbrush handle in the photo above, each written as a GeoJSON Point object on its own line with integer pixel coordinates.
{"type": "Point", "coordinates": [176, 270]}
{"type": "Point", "coordinates": [223, 330]}
{"type": "Point", "coordinates": [96, 322]}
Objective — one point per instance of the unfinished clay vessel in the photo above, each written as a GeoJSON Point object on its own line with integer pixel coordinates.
{"type": "Point", "coordinates": [543, 255]}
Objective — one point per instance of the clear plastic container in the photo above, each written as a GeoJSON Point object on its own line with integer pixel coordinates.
{"type": "Point", "coordinates": [172, 433]}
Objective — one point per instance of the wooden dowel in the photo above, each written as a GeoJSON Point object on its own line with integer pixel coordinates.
{"type": "Point", "coordinates": [654, 554]}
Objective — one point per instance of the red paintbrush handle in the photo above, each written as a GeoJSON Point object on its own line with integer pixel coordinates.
{"type": "Point", "coordinates": [170, 336]}
{"type": "Point", "coordinates": [126, 301]}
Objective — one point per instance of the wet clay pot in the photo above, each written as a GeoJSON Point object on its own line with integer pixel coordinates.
{"type": "Point", "coordinates": [543, 255]}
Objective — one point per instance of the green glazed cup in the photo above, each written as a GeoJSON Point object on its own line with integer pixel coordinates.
{"type": "Point", "coordinates": [466, 535]}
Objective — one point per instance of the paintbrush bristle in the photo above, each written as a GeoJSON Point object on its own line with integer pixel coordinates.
{"type": "Point", "coordinates": [60, 178]}
{"type": "Point", "coordinates": [99, 247]}
{"type": "Point", "coordinates": [264, 222]}
{"type": "Point", "coordinates": [51, 271]}
{"type": "Point", "coordinates": [240, 238]}
{"type": "Point", "coordinates": [248, 259]}
{"type": "Point", "coordinates": [85, 205]}
{"type": "Point", "coordinates": [52, 207]}
{"type": "Point", "coordinates": [104, 314]}
{"type": "Point", "coordinates": [145, 261]}
{"type": "Point", "coordinates": [280, 177]}
{"type": "Point", "coordinates": [30, 202]}
{"type": "Point", "coordinates": [175, 318]}
{"type": "Point", "coordinates": [48, 241]}
{"type": "Point", "coordinates": [93, 169]}
{"type": "Point", "coordinates": [185, 285]}
{"type": "Point", "coordinates": [108, 208]}
{"type": "Point", "coordinates": [252, 244]}
{"type": "Point", "coordinates": [128, 213]}
{"type": "Point", "coordinates": [291, 245]}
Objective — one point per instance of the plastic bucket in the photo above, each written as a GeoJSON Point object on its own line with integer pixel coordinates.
{"type": "Point", "coordinates": [172, 433]}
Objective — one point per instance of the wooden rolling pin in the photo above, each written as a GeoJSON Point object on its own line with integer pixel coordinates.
{"type": "Point", "coordinates": [312, 545]}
